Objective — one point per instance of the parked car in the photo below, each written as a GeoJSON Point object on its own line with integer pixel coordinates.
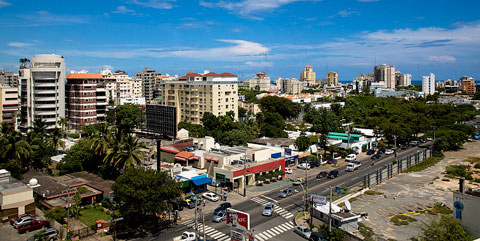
{"type": "Point", "coordinates": [299, 181]}
{"type": "Point", "coordinates": [303, 166]}
{"type": "Point", "coordinates": [389, 152]}
{"type": "Point", "coordinates": [286, 192]}
{"type": "Point", "coordinates": [422, 140]}
{"type": "Point", "coordinates": [381, 151]}
{"type": "Point", "coordinates": [333, 174]}
{"type": "Point", "coordinates": [370, 152]}
{"type": "Point", "coordinates": [404, 146]}
{"type": "Point", "coordinates": [220, 216]}
{"type": "Point", "coordinates": [351, 157]}
{"type": "Point", "coordinates": [352, 166]}
{"type": "Point", "coordinates": [222, 207]}
{"type": "Point", "coordinates": [13, 220]}
{"type": "Point", "coordinates": [376, 156]}
{"type": "Point", "coordinates": [315, 164]}
{"type": "Point", "coordinates": [48, 234]}
{"type": "Point", "coordinates": [34, 225]}
{"type": "Point", "coordinates": [303, 231]}
{"type": "Point", "coordinates": [210, 196]}
{"type": "Point", "coordinates": [186, 236]}
{"type": "Point", "coordinates": [179, 204]}
{"type": "Point", "coordinates": [414, 143]}
{"type": "Point", "coordinates": [268, 210]}
{"type": "Point", "coordinates": [288, 171]}
{"type": "Point", "coordinates": [316, 236]}
{"type": "Point", "coordinates": [24, 221]}
{"type": "Point", "coordinates": [332, 161]}
{"type": "Point", "coordinates": [322, 174]}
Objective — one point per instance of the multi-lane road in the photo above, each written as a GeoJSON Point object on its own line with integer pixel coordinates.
{"type": "Point", "coordinates": [280, 225]}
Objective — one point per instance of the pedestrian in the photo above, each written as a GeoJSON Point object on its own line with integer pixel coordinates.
{"type": "Point", "coordinates": [204, 202]}
{"type": "Point", "coordinates": [225, 197]}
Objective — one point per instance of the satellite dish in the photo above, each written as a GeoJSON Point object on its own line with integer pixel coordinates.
{"type": "Point", "coordinates": [348, 206]}
{"type": "Point", "coordinates": [217, 146]}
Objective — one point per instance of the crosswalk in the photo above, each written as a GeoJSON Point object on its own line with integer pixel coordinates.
{"type": "Point", "coordinates": [209, 231]}
{"type": "Point", "coordinates": [284, 213]}
{"type": "Point", "coordinates": [270, 233]}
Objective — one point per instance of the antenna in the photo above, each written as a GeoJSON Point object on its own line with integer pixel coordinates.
{"type": "Point", "coordinates": [266, 65]}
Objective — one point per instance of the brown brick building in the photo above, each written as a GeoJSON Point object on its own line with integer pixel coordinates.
{"type": "Point", "coordinates": [86, 101]}
{"type": "Point", "coordinates": [468, 85]}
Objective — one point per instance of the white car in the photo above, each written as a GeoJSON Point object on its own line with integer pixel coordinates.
{"type": "Point", "coordinates": [303, 166]}
{"type": "Point", "coordinates": [351, 157]}
{"type": "Point", "coordinates": [186, 236]}
{"type": "Point", "coordinates": [210, 196]}
{"type": "Point", "coordinates": [288, 171]}
{"type": "Point", "coordinates": [303, 231]}
{"type": "Point", "coordinates": [389, 152]}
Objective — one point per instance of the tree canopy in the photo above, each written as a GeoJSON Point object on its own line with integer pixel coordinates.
{"type": "Point", "coordinates": [125, 117]}
{"type": "Point", "coordinates": [445, 228]}
{"type": "Point", "coordinates": [283, 106]}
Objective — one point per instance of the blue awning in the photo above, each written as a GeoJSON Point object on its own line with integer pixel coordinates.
{"type": "Point", "coordinates": [202, 181]}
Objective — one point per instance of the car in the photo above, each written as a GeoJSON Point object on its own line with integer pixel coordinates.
{"type": "Point", "coordinates": [353, 166]}
{"type": "Point", "coordinates": [404, 146]}
{"type": "Point", "coordinates": [333, 174]}
{"type": "Point", "coordinates": [414, 143]}
{"type": "Point", "coordinates": [210, 196]}
{"type": "Point", "coordinates": [24, 221]}
{"type": "Point", "coordinates": [376, 156]}
{"type": "Point", "coordinates": [422, 140]}
{"type": "Point", "coordinates": [13, 220]}
{"type": "Point", "coordinates": [288, 171]}
{"type": "Point", "coordinates": [389, 152]}
{"type": "Point", "coordinates": [49, 234]}
{"type": "Point", "coordinates": [315, 164]}
{"type": "Point", "coordinates": [220, 216]}
{"type": "Point", "coordinates": [351, 157]}
{"type": "Point", "coordinates": [268, 210]}
{"type": "Point", "coordinates": [222, 207]}
{"type": "Point", "coordinates": [299, 181]}
{"type": "Point", "coordinates": [178, 204]}
{"type": "Point", "coordinates": [332, 161]}
{"type": "Point", "coordinates": [286, 192]}
{"type": "Point", "coordinates": [381, 151]}
{"type": "Point", "coordinates": [370, 152]}
{"type": "Point", "coordinates": [303, 166]}
{"type": "Point", "coordinates": [302, 231]}
{"type": "Point", "coordinates": [322, 174]}
{"type": "Point", "coordinates": [316, 236]}
{"type": "Point", "coordinates": [33, 225]}
{"type": "Point", "coordinates": [186, 236]}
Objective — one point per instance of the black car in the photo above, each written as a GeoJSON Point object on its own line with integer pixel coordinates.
{"type": "Point", "coordinates": [179, 204]}
{"type": "Point", "coordinates": [322, 174]}
{"type": "Point", "coordinates": [222, 207]}
{"type": "Point", "coordinates": [333, 174]}
{"type": "Point", "coordinates": [370, 152]}
{"type": "Point", "coordinates": [381, 151]}
{"type": "Point", "coordinates": [376, 156]}
{"type": "Point", "coordinates": [314, 164]}
{"type": "Point", "coordinates": [316, 236]}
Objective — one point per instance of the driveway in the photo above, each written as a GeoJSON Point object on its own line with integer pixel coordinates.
{"type": "Point", "coordinates": [10, 233]}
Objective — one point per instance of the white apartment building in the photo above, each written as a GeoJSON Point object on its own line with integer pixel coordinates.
{"type": "Point", "coordinates": [43, 90]}
{"type": "Point", "coordinates": [290, 86]}
{"type": "Point", "coordinates": [260, 82]}
{"type": "Point", "coordinates": [120, 88]}
{"type": "Point", "coordinates": [9, 105]}
{"type": "Point", "coordinates": [195, 94]}
{"type": "Point", "coordinates": [428, 84]}
{"type": "Point", "coordinates": [385, 73]}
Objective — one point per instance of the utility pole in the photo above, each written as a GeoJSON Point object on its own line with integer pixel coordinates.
{"type": "Point", "coordinates": [196, 222]}
{"type": "Point", "coordinates": [159, 157]}
{"type": "Point", "coordinates": [203, 222]}
{"type": "Point", "coordinates": [330, 214]}
{"type": "Point", "coordinates": [245, 176]}
{"type": "Point", "coordinates": [306, 180]}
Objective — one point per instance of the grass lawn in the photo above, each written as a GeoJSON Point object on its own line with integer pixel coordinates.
{"type": "Point", "coordinates": [91, 215]}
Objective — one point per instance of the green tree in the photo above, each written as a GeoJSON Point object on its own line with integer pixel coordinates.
{"type": "Point", "coordinates": [63, 122]}
{"type": "Point", "coordinates": [302, 143]}
{"type": "Point", "coordinates": [336, 234]}
{"type": "Point", "coordinates": [58, 213]}
{"type": "Point", "coordinates": [272, 125]}
{"type": "Point", "coordinates": [144, 192]}
{"type": "Point", "coordinates": [80, 157]}
{"type": "Point", "coordinates": [282, 106]}
{"type": "Point", "coordinates": [76, 206]}
{"type": "Point", "coordinates": [193, 130]}
{"type": "Point", "coordinates": [129, 154]}
{"type": "Point", "coordinates": [445, 228]}
{"type": "Point", "coordinates": [125, 117]}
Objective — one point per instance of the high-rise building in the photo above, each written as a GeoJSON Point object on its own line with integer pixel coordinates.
{"type": "Point", "coordinates": [308, 75]}
{"type": "Point", "coordinates": [331, 80]}
{"type": "Point", "coordinates": [289, 85]}
{"type": "Point", "coordinates": [8, 79]}
{"type": "Point", "coordinates": [148, 81]}
{"type": "Point", "coordinates": [260, 82]}
{"type": "Point", "coordinates": [407, 79]}
{"type": "Point", "coordinates": [385, 73]}
{"type": "Point", "coordinates": [86, 99]}
{"type": "Point", "coordinates": [9, 105]}
{"type": "Point", "coordinates": [428, 84]}
{"type": "Point", "coordinates": [195, 94]}
{"type": "Point", "coordinates": [43, 90]}
{"type": "Point", "coordinates": [468, 85]}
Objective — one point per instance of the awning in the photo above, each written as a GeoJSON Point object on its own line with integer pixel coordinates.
{"type": "Point", "coordinates": [211, 159]}
{"type": "Point", "coordinates": [166, 149]}
{"type": "Point", "coordinates": [269, 168]}
{"type": "Point", "coordinates": [202, 181]}
{"type": "Point", "coordinates": [180, 159]}
{"type": "Point", "coordinates": [194, 158]}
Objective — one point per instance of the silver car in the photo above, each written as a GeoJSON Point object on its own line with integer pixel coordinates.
{"type": "Point", "coordinates": [24, 221]}
{"type": "Point", "coordinates": [268, 210]}
{"type": "Point", "coordinates": [286, 192]}
{"type": "Point", "coordinates": [303, 231]}
{"type": "Point", "coordinates": [219, 217]}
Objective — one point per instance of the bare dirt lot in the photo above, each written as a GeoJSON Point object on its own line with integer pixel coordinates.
{"type": "Point", "coordinates": [413, 196]}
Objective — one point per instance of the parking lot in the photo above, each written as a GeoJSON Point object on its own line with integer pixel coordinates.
{"type": "Point", "coordinates": [9, 233]}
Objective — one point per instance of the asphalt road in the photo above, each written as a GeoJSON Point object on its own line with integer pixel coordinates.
{"type": "Point", "coordinates": [280, 225]}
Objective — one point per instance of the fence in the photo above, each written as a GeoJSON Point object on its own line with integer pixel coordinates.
{"type": "Point", "coordinates": [82, 232]}
{"type": "Point", "coordinates": [394, 168]}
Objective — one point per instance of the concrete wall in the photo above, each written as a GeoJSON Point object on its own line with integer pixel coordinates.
{"type": "Point", "coordinates": [470, 213]}
{"type": "Point", "coordinates": [17, 199]}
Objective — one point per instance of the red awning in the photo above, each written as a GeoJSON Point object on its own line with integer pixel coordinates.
{"type": "Point", "coordinates": [194, 158]}
{"type": "Point", "coordinates": [166, 149]}
{"type": "Point", "coordinates": [269, 169]}
{"type": "Point", "coordinates": [180, 159]}
{"type": "Point", "coordinates": [211, 159]}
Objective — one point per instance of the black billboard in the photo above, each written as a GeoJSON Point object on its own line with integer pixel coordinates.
{"type": "Point", "coordinates": [162, 120]}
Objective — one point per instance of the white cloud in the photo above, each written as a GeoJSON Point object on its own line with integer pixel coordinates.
{"type": "Point", "coordinates": [250, 8]}
{"type": "Point", "coordinates": [240, 50]}
{"type": "Point", "coordinates": [19, 44]}
{"type": "Point", "coordinates": [346, 13]}
{"type": "Point", "coordinates": [4, 3]}
{"type": "Point", "coordinates": [158, 4]}
{"type": "Point", "coordinates": [196, 25]}
{"type": "Point", "coordinates": [123, 10]}
{"type": "Point", "coordinates": [259, 64]}
{"type": "Point", "coordinates": [236, 30]}
{"type": "Point", "coordinates": [442, 59]}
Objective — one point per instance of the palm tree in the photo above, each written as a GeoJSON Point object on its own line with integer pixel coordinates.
{"type": "Point", "coordinates": [128, 155]}
{"type": "Point", "coordinates": [54, 139]}
{"type": "Point", "coordinates": [23, 62]}
{"type": "Point", "coordinates": [63, 122]}
{"type": "Point", "coordinates": [100, 139]}
{"type": "Point", "coordinates": [14, 147]}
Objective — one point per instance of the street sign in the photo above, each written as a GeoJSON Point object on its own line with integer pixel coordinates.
{"type": "Point", "coordinates": [338, 190]}
{"type": "Point", "coordinates": [318, 200]}
{"type": "Point", "coordinates": [236, 235]}
{"type": "Point", "coordinates": [220, 177]}
{"type": "Point", "coordinates": [288, 151]}
{"type": "Point", "coordinates": [238, 219]}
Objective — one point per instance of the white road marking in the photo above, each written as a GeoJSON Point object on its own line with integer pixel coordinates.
{"type": "Point", "coordinates": [271, 199]}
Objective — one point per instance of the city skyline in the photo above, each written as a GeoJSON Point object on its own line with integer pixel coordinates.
{"type": "Point", "coordinates": [245, 37]}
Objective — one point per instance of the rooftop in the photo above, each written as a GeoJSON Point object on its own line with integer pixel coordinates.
{"type": "Point", "coordinates": [84, 76]}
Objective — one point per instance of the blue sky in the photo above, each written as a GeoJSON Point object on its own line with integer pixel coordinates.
{"type": "Point", "coordinates": [247, 36]}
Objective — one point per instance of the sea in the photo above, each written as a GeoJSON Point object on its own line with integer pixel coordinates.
{"type": "Point", "coordinates": [414, 82]}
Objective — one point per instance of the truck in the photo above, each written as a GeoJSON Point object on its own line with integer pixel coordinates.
{"type": "Point", "coordinates": [352, 166]}
{"type": "Point", "coordinates": [186, 236]}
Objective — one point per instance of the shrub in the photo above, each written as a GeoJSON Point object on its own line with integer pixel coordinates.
{"type": "Point", "coordinates": [74, 135]}
{"type": "Point", "coordinates": [441, 208]}
{"type": "Point", "coordinates": [431, 161]}
{"type": "Point", "coordinates": [366, 231]}
{"type": "Point", "coordinates": [402, 220]}
{"type": "Point", "coordinates": [477, 166]}
{"type": "Point", "coordinates": [458, 170]}
{"type": "Point", "coordinates": [373, 192]}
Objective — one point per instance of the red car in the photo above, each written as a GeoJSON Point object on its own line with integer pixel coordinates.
{"type": "Point", "coordinates": [34, 225]}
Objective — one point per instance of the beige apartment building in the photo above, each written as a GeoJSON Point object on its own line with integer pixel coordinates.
{"type": "Point", "coordinates": [308, 75]}
{"type": "Point", "coordinates": [195, 94]}
{"type": "Point", "coordinates": [9, 105]}
{"type": "Point", "coordinates": [260, 82]}
{"type": "Point", "coordinates": [385, 73]}
{"type": "Point", "coordinates": [331, 80]}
